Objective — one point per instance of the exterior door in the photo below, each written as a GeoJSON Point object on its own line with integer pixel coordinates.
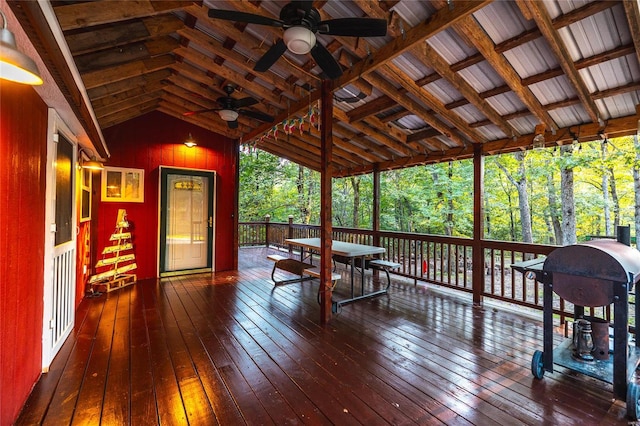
{"type": "Point", "coordinates": [186, 221]}
{"type": "Point", "coordinates": [60, 276]}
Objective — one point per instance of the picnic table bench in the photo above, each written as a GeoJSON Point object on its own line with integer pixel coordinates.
{"type": "Point", "coordinates": [293, 266]}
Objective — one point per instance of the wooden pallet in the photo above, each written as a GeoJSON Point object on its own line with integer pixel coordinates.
{"type": "Point", "coordinates": [117, 283]}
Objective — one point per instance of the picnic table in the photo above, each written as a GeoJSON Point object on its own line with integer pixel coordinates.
{"type": "Point", "coordinates": [356, 256]}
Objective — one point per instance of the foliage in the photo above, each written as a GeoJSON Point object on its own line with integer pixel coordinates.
{"type": "Point", "coordinates": [438, 198]}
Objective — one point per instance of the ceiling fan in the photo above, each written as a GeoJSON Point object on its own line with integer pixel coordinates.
{"type": "Point", "coordinates": [301, 21]}
{"type": "Point", "coordinates": [230, 109]}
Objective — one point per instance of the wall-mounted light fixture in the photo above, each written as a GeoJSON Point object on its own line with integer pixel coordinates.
{"type": "Point", "coordinates": [190, 142]}
{"type": "Point", "coordinates": [15, 65]}
{"type": "Point", "coordinates": [89, 162]}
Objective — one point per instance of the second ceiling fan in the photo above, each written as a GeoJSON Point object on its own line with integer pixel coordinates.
{"type": "Point", "coordinates": [301, 21]}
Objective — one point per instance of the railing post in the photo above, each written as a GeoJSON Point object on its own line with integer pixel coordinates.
{"type": "Point", "coordinates": [267, 218]}
{"type": "Point", "coordinates": [290, 232]}
{"type": "Point", "coordinates": [376, 204]}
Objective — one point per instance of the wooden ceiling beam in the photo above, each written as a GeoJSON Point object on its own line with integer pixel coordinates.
{"type": "Point", "coordinates": [121, 55]}
{"type": "Point", "coordinates": [370, 108]}
{"type": "Point", "coordinates": [110, 75]}
{"type": "Point", "coordinates": [423, 134]}
{"type": "Point", "coordinates": [552, 73]}
{"type": "Point", "coordinates": [170, 109]}
{"type": "Point", "coordinates": [88, 14]}
{"type": "Point", "coordinates": [632, 10]}
{"type": "Point", "coordinates": [128, 114]}
{"type": "Point", "coordinates": [386, 128]}
{"type": "Point", "coordinates": [176, 106]}
{"type": "Point", "coordinates": [250, 43]}
{"type": "Point", "coordinates": [358, 144]}
{"type": "Point", "coordinates": [415, 108]}
{"type": "Point", "coordinates": [428, 55]}
{"type": "Point", "coordinates": [543, 20]}
{"type": "Point", "coordinates": [214, 47]}
{"type": "Point", "coordinates": [375, 134]}
{"type": "Point", "coordinates": [557, 22]}
{"type": "Point", "coordinates": [283, 150]}
{"type": "Point", "coordinates": [122, 86]}
{"type": "Point", "coordinates": [205, 62]}
{"type": "Point", "coordinates": [616, 91]}
{"type": "Point", "coordinates": [174, 96]}
{"type": "Point", "coordinates": [439, 21]}
{"type": "Point", "coordinates": [486, 47]}
{"type": "Point", "coordinates": [393, 72]}
{"type": "Point", "coordinates": [126, 104]}
{"type": "Point", "coordinates": [311, 144]}
{"type": "Point", "coordinates": [118, 35]}
{"type": "Point", "coordinates": [395, 116]}
{"type": "Point", "coordinates": [121, 96]}
{"type": "Point", "coordinates": [201, 103]}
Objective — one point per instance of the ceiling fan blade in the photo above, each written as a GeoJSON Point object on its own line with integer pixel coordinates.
{"type": "Point", "coordinates": [232, 124]}
{"type": "Point", "coordinates": [257, 115]}
{"type": "Point", "coordinates": [244, 102]}
{"type": "Point", "coordinates": [271, 56]}
{"type": "Point", "coordinates": [354, 27]}
{"type": "Point", "coordinates": [190, 113]}
{"type": "Point", "coordinates": [250, 18]}
{"type": "Point", "coordinates": [326, 61]}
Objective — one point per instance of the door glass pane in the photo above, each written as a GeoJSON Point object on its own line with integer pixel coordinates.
{"type": "Point", "coordinates": [186, 228]}
{"type": "Point", "coordinates": [64, 191]}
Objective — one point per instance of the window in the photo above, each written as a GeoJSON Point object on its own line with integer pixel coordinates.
{"type": "Point", "coordinates": [124, 185]}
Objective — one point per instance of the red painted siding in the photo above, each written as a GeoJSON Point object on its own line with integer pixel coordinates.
{"type": "Point", "coordinates": [23, 142]}
{"type": "Point", "coordinates": [155, 140]}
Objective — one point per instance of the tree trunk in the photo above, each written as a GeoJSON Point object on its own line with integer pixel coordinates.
{"type": "Point", "coordinates": [303, 199]}
{"type": "Point", "coordinates": [355, 184]}
{"type": "Point", "coordinates": [605, 192]}
{"type": "Point", "coordinates": [615, 201]}
{"type": "Point", "coordinates": [523, 196]}
{"type": "Point", "coordinates": [555, 214]}
{"type": "Point", "coordinates": [568, 202]}
{"type": "Point", "coordinates": [448, 222]}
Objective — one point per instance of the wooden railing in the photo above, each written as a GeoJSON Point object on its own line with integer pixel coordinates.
{"type": "Point", "coordinates": [445, 261]}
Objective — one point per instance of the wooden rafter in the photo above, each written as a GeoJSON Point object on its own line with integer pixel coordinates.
{"type": "Point", "coordinates": [542, 19]}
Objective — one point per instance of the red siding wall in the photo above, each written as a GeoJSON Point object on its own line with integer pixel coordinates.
{"type": "Point", "coordinates": [23, 142]}
{"type": "Point", "coordinates": [156, 139]}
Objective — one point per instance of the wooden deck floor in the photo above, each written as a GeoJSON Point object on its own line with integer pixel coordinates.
{"type": "Point", "coordinates": [230, 349]}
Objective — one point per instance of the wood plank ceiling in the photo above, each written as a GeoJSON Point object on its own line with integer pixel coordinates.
{"type": "Point", "coordinates": [448, 75]}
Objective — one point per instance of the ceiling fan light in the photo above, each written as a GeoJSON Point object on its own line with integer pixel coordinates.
{"type": "Point", "coordinates": [228, 114]}
{"type": "Point", "coordinates": [299, 40]}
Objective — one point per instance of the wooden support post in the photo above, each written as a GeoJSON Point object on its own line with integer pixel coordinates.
{"type": "Point", "coordinates": [326, 174]}
{"type": "Point", "coordinates": [478, 225]}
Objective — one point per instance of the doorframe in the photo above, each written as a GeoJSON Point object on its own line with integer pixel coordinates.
{"type": "Point", "coordinates": [55, 127]}
{"type": "Point", "coordinates": [213, 191]}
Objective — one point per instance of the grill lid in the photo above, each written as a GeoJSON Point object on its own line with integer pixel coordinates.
{"type": "Point", "coordinates": [598, 259]}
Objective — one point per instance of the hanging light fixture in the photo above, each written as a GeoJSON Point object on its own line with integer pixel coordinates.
{"type": "Point", "coordinates": [190, 142]}
{"type": "Point", "coordinates": [538, 139]}
{"type": "Point", "coordinates": [91, 163]}
{"type": "Point", "coordinates": [15, 65]}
